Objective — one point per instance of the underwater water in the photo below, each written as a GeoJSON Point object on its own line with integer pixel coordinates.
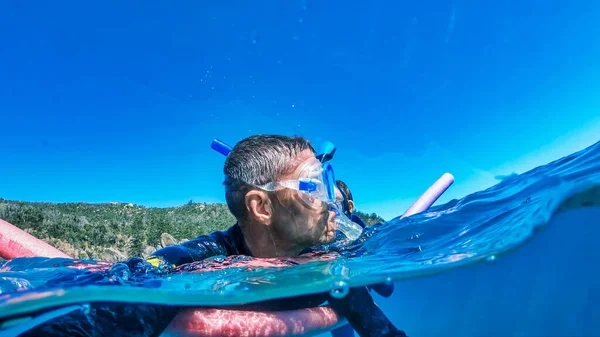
{"type": "Point", "coordinates": [516, 259]}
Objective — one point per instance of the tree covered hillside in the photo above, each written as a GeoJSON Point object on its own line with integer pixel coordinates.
{"type": "Point", "coordinates": [117, 231]}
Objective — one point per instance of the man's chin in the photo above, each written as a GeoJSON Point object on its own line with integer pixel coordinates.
{"type": "Point", "coordinates": [329, 236]}
{"type": "Point", "coordinates": [329, 233]}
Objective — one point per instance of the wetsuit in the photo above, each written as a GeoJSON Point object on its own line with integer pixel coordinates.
{"type": "Point", "coordinates": [358, 220]}
{"type": "Point", "coordinates": [225, 243]}
{"type": "Point", "coordinates": [357, 307]}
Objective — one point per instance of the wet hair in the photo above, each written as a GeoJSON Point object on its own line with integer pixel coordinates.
{"type": "Point", "coordinates": [258, 160]}
{"type": "Point", "coordinates": [346, 194]}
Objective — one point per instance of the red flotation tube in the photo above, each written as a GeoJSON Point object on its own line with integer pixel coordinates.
{"type": "Point", "coordinates": [14, 243]}
{"type": "Point", "coordinates": [220, 322]}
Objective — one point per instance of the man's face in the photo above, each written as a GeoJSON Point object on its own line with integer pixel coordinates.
{"type": "Point", "coordinates": [299, 219]}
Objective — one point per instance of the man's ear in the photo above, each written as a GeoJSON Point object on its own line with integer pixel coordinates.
{"type": "Point", "coordinates": [351, 206]}
{"type": "Point", "coordinates": [259, 207]}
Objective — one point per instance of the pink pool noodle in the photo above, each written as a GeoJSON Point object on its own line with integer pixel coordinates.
{"type": "Point", "coordinates": [431, 195]}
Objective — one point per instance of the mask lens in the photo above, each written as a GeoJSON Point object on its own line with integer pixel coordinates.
{"type": "Point", "coordinates": [317, 182]}
{"type": "Point", "coordinates": [311, 183]}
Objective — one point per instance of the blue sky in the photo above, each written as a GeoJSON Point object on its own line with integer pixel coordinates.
{"type": "Point", "coordinates": [120, 102]}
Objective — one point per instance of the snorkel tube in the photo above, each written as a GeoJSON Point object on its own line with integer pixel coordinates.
{"type": "Point", "coordinates": [351, 229]}
{"type": "Point", "coordinates": [220, 147]}
{"type": "Point", "coordinates": [325, 155]}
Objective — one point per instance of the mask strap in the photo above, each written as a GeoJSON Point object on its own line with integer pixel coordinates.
{"type": "Point", "coordinates": [329, 180]}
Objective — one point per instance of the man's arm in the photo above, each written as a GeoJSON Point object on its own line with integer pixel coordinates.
{"type": "Point", "coordinates": [365, 317]}
{"type": "Point", "coordinates": [198, 249]}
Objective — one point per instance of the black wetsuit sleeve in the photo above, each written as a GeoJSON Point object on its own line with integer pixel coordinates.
{"type": "Point", "coordinates": [215, 244]}
{"type": "Point", "coordinates": [358, 220]}
{"type": "Point", "coordinates": [365, 317]}
{"type": "Point", "coordinates": [109, 319]}
{"type": "Point", "coordinates": [190, 251]}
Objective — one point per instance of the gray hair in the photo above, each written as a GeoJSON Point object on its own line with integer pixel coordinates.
{"type": "Point", "coordinates": [257, 160]}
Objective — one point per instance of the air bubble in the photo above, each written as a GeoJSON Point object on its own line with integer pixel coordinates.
{"type": "Point", "coordinates": [491, 258]}
{"type": "Point", "coordinates": [339, 289]}
{"type": "Point", "coordinates": [86, 308]}
{"type": "Point", "coordinates": [120, 272]}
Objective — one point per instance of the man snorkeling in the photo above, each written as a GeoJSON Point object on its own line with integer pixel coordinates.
{"type": "Point", "coordinates": [284, 203]}
{"type": "Point", "coordinates": [283, 199]}
{"type": "Point", "coordinates": [275, 190]}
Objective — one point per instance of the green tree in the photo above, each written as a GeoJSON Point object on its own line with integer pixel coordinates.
{"type": "Point", "coordinates": [138, 239]}
{"type": "Point", "coordinates": [158, 223]}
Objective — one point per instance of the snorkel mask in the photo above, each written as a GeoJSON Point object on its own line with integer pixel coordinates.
{"type": "Point", "coordinates": [316, 184]}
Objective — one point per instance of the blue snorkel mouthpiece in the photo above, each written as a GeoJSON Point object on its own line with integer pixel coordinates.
{"type": "Point", "coordinates": [220, 147]}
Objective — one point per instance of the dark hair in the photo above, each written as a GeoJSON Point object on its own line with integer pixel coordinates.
{"type": "Point", "coordinates": [344, 189]}
{"type": "Point", "coordinates": [257, 160]}
{"type": "Point", "coordinates": [346, 194]}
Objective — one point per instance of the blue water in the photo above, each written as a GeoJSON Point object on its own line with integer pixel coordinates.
{"type": "Point", "coordinates": [519, 259]}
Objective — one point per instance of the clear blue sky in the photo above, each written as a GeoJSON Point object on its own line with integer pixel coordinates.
{"type": "Point", "coordinates": [119, 101]}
